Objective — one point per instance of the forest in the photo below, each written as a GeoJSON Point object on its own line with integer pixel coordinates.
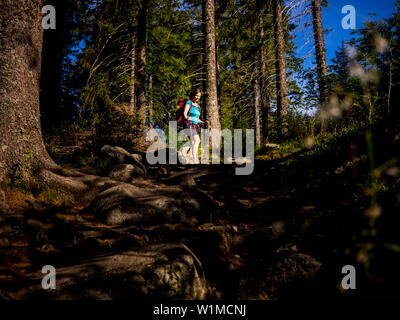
{"type": "Point", "coordinates": [89, 92]}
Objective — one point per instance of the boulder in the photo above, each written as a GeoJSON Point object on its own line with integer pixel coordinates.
{"type": "Point", "coordinates": [129, 204]}
{"type": "Point", "coordinates": [291, 270]}
{"type": "Point", "coordinates": [123, 156]}
{"type": "Point", "coordinates": [290, 274]}
{"type": "Point", "coordinates": [157, 271]}
{"type": "Point", "coordinates": [125, 172]}
{"type": "Point", "coordinates": [223, 247]}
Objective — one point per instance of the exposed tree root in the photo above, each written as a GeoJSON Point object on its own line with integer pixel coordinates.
{"type": "Point", "coordinates": [73, 185]}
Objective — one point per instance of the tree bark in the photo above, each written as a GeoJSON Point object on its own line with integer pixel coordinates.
{"type": "Point", "coordinates": [320, 55]}
{"type": "Point", "coordinates": [133, 66]}
{"type": "Point", "coordinates": [218, 84]}
{"type": "Point", "coordinates": [211, 91]}
{"type": "Point", "coordinates": [141, 73]}
{"type": "Point", "coordinates": [22, 150]}
{"type": "Point", "coordinates": [256, 88]}
{"type": "Point", "coordinates": [263, 83]}
{"type": "Point", "coordinates": [150, 101]}
{"type": "Point", "coordinates": [281, 85]}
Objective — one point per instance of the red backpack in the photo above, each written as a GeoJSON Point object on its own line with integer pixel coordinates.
{"type": "Point", "coordinates": [182, 122]}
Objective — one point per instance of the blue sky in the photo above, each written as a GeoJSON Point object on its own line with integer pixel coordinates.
{"type": "Point", "coordinates": [332, 19]}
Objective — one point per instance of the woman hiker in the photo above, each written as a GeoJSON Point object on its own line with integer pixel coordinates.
{"type": "Point", "coordinates": [192, 113]}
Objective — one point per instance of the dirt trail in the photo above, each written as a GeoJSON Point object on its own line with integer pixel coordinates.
{"type": "Point", "coordinates": [244, 226]}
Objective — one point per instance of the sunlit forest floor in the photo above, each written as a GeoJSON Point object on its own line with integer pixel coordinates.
{"type": "Point", "coordinates": [285, 231]}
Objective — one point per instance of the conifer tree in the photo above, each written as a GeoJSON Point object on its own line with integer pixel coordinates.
{"type": "Point", "coordinates": [320, 55]}
{"type": "Point", "coordinates": [281, 85]}
{"type": "Point", "coordinates": [141, 73]}
{"type": "Point", "coordinates": [211, 92]}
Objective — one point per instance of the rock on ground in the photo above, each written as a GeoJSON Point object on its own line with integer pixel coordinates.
{"type": "Point", "coordinates": [125, 172]}
{"type": "Point", "coordinates": [290, 274]}
{"type": "Point", "coordinates": [158, 271]}
{"type": "Point", "coordinates": [123, 156]}
{"type": "Point", "coordinates": [126, 203]}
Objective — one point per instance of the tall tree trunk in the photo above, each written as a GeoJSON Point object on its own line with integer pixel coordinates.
{"type": "Point", "coordinates": [133, 66]}
{"type": "Point", "coordinates": [322, 69]}
{"type": "Point", "coordinates": [281, 85]}
{"type": "Point", "coordinates": [150, 101]}
{"type": "Point", "coordinates": [218, 84]}
{"type": "Point", "coordinates": [141, 73]}
{"type": "Point", "coordinates": [211, 91]}
{"type": "Point", "coordinates": [263, 83]}
{"type": "Point", "coordinates": [21, 146]}
{"type": "Point", "coordinates": [256, 93]}
{"type": "Point", "coordinates": [265, 109]}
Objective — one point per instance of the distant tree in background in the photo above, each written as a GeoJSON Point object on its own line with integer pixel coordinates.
{"type": "Point", "coordinates": [210, 63]}
{"type": "Point", "coordinates": [141, 73]}
{"type": "Point", "coordinates": [281, 88]}
{"type": "Point", "coordinates": [264, 92]}
{"type": "Point", "coordinates": [320, 54]}
{"type": "Point", "coordinates": [133, 72]}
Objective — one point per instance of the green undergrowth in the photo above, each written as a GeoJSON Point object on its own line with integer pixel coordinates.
{"type": "Point", "coordinates": [293, 150]}
{"type": "Point", "coordinates": [356, 171]}
{"type": "Point", "coordinates": [31, 187]}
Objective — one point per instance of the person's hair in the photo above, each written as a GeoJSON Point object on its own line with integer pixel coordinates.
{"type": "Point", "coordinates": [194, 92]}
